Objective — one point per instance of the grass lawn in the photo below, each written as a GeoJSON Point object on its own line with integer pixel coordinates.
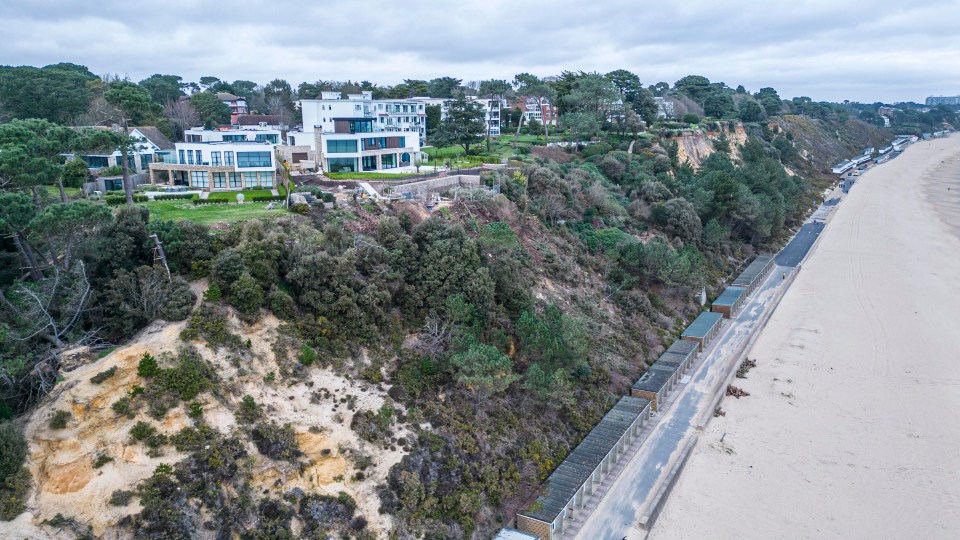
{"type": "Point", "coordinates": [247, 194]}
{"type": "Point", "coordinates": [72, 192]}
{"type": "Point", "coordinates": [178, 210]}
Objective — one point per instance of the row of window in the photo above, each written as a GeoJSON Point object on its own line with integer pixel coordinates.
{"type": "Point", "coordinates": [244, 159]}
{"type": "Point", "coordinates": [236, 180]}
{"type": "Point", "coordinates": [341, 147]}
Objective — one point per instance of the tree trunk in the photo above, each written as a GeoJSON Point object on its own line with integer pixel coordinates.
{"type": "Point", "coordinates": [28, 259]}
{"type": "Point", "coordinates": [63, 192]}
{"type": "Point", "coordinates": [546, 128]}
{"type": "Point", "coordinates": [127, 185]}
{"type": "Point", "coordinates": [519, 125]}
{"type": "Point", "coordinates": [36, 198]}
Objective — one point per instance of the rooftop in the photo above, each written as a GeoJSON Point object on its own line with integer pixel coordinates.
{"type": "Point", "coordinates": [574, 471]}
{"type": "Point", "coordinates": [756, 269]}
{"type": "Point", "coordinates": [729, 296]}
{"type": "Point", "coordinates": [703, 324]}
{"type": "Point", "coordinates": [655, 378]}
{"type": "Point", "coordinates": [681, 350]}
{"type": "Point", "coordinates": [256, 119]}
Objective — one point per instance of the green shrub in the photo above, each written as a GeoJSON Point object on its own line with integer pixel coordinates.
{"type": "Point", "coordinates": [123, 406]}
{"type": "Point", "coordinates": [141, 431]}
{"type": "Point", "coordinates": [213, 293]}
{"type": "Point", "coordinates": [195, 409]}
{"type": "Point", "coordinates": [117, 200]}
{"type": "Point", "coordinates": [13, 493]}
{"type": "Point", "coordinates": [101, 460]}
{"type": "Point", "coordinates": [13, 449]}
{"type": "Point", "coordinates": [103, 375]}
{"type": "Point", "coordinates": [148, 366]}
{"type": "Point", "coordinates": [59, 419]}
{"type": "Point", "coordinates": [210, 323]}
{"type": "Point", "coordinates": [307, 355]}
{"type": "Point", "coordinates": [275, 441]}
{"type": "Point", "coordinates": [300, 208]}
{"type": "Point", "coordinates": [249, 410]}
{"type": "Point", "coordinates": [120, 497]}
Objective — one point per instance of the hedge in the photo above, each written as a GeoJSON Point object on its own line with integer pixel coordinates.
{"type": "Point", "coordinates": [175, 196]}
{"type": "Point", "coordinates": [201, 202]}
{"type": "Point", "coordinates": [267, 198]}
{"type": "Point", "coordinates": [116, 200]}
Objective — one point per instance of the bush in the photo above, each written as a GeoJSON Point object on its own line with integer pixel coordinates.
{"type": "Point", "coordinates": [123, 406]}
{"type": "Point", "coordinates": [307, 355]}
{"type": "Point", "coordinates": [13, 449]}
{"type": "Point", "coordinates": [275, 441]}
{"type": "Point", "coordinates": [13, 493]}
{"type": "Point", "coordinates": [300, 208]}
{"type": "Point", "coordinates": [210, 323]}
{"type": "Point", "coordinates": [117, 200]}
{"type": "Point", "coordinates": [148, 367]}
{"type": "Point", "coordinates": [101, 460]}
{"type": "Point", "coordinates": [249, 410]}
{"type": "Point", "coordinates": [59, 419]}
{"type": "Point", "coordinates": [120, 497]}
{"type": "Point", "coordinates": [213, 293]}
{"type": "Point", "coordinates": [142, 431]}
{"type": "Point", "coordinates": [690, 118]}
{"type": "Point", "coordinates": [191, 376]}
{"type": "Point", "coordinates": [195, 409]}
{"type": "Point", "coordinates": [103, 375]}
{"type": "Point", "coordinates": [175, 196]}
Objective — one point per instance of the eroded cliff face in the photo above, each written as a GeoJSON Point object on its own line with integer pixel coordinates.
{"type": "Point", "coordinates": [320, 407]}
{"type": "Point", "coordinates": [696, 146]}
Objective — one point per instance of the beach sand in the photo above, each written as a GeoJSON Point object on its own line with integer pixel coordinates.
{"type": "Point", "coordinates": [852, 428]}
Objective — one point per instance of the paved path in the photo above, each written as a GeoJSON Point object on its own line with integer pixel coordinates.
{"type": "Point", "coordinates": [615, 510]}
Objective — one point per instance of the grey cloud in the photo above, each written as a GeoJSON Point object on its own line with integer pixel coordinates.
{"type": "Point", "coordinates": [886, 50]}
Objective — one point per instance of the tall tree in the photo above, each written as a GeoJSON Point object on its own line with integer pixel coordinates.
{"type": "Point", "coordinates": [59, 93]}
{"type": "Point", "coordinates": [211, 110]}
{"type": "Point", "coordinates": [696, 87]}
{"type": "Point", "coordinates": [494, 88]}
{"type": "Point", "coordinates": [279, 97]}
{"type": "Point", "coordinates": [30, 155]}
{"type": "Point", "coordinates": [464, 125]}
{"type": "Point", "coordinates": [163, 88]}
{"type": "Point", "coordinates": [181, 115]}
{"type": "Point", "coordinates": [417, 87]}
{"type": "Point", "coordinates": [592, 95]}
{"type": "Point", "coordinates": [131, 105]}
{"type": "Point", "coordinates": [443, 87]}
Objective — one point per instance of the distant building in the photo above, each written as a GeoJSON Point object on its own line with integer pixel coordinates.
{"type": "Point", "coordinates": [220, 160]}
{"type": "Point", "coordinates": [237, 104]}
{"type": "Point", "coordinates": [665, 108]}
{"type": "Point", "coordinates": [533, 109]}
{"type": "Point", "coordinates": [933, 101]}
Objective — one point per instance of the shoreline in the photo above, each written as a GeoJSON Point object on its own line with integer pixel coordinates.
{"type": "Point", "coordinates": [848, 431]}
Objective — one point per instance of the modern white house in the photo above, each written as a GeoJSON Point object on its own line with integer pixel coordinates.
{"type": "Point", "coordinates": [356, 144]}
{"type": "Point", "coordinates": [387, 115]}
{"type": "Point", "coordinates": [152, 141]}
{"type": "Point", "coordinates": [220, 160]}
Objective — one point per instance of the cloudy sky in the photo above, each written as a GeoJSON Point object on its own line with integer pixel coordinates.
{"type": "Point", "coordinates": [865, 50]}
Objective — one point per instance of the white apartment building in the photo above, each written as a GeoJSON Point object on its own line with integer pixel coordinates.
{"type": "Point", "coordinates": [355, 145]}
{"type": "Point", "coordinates": [388, 115]}
{"type": "Point", "coordinates": [220, 160]}
{"type": "Point", "coordinates": [139, 158]}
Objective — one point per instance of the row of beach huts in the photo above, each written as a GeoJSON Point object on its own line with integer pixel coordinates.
{"type": "Point", "coordinates": [884, 154]}
{"type": "Point", "coordinates": [566, 490]}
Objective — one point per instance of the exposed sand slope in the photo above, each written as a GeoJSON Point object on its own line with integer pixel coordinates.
{"type": "Point", "coordinates": [852, 428]}
{"type": "Point", "coordinates": [61, 461]}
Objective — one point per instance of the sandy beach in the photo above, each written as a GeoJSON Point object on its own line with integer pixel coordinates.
{"type": "Point", "coordinates": [852, 428]}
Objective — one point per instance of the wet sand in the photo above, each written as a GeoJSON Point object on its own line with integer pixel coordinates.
{"type": "Point", "coordinates": [852, 429]}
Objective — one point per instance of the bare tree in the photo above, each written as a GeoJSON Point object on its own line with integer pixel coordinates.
{"type": "Point", "coordinates": [181, 114]}
{"type": "Point", "coordinates": [50, 308]}
{"type": "Point", "coordinates": [434, 336]}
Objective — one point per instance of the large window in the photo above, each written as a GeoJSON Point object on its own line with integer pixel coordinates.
{"type": "Point", "coordinates": [234, 138]}
{"type": "Point", "coordinates": [199, 179]}
{"type": "Point", "coordinates": [145, 161]}
{"type": "Point", "coordinates": [341, 147]}
{"type": "Point", "coordinates": [253, 159]}
{"type": "Point", "coordinates": [267, 138]}
{"type": "Point", "coordinates": [189, 157]}
{"type": "Point", "coordinates": [97, 162]}
{"type": "Point", "coordinates": [182, 160]}
{"type": "Point", "coordinates": [250, 179]}
{"type": "Point", "coordinates": [194, 138]}
{"type": "Point", "coordinates": [235, 181]}
{"type": "Point", "coordinates": [219, 180]}
{"type": "Point", "coordinates": [266, 179]}
{"type": "Point", "coordinates": [336, 165]}
{"type": "Point", "coordinates": [215, 159]}
{"type": "Point", "coordinates": [199, 157]}
{"type": "Point", "coordinates": [389, 161]}
{"type": "Point", "coordinates": [369, 163]}
{"type": "Point", "coordinates": [228, 158]}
